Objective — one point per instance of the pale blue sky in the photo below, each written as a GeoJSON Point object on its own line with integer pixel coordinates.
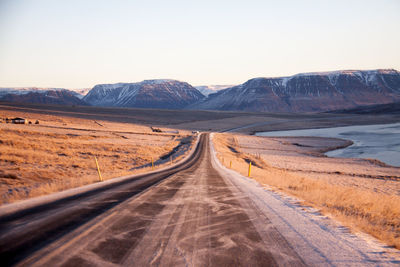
{"type": "Point", "coordinates": [80, 43]}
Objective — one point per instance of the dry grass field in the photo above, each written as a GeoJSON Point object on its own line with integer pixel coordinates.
{"type": "Point", "coordinates": [362, 194]}
{"type": "Point", "coordinates": [59, 152]}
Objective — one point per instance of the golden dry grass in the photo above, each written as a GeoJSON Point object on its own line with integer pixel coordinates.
{"type": "Point", "coordinates": [40, 159]}
{"type": "Point", "coordinates": [375, 213]}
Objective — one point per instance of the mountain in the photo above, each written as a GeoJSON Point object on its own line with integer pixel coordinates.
{"type": "Point", "coordinates": [48, 96]}
{"type": "Point", "coordinates": [211, 89]}
{"type": "Point", "coordinates": [80, 93]}
{"type": "Point", "coordinates": [164, 94]}
{"type": "Point", "coordinates": [308, 92]}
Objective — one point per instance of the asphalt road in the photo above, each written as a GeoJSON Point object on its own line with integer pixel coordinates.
{"type": "Point", "coordinates": [186, 216]}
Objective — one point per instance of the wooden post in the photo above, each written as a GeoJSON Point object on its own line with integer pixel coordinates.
{"type": "Point", "coordinates": [98, 169]}
{"type": "Point", "coordinates": [171, 160]}
{"type": "Point", "coordinates": [230, 164]}
{"type": "Point", "coordinates": [152, 163]}
{"type": "Point", "coordinates": [249, 169]}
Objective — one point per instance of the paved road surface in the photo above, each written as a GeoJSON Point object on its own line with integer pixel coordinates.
{"type": "Point", "coordinates": [193, 218]}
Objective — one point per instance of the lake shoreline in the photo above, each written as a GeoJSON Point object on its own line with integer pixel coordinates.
{"type": "Point", "coordinates": [375, 142]}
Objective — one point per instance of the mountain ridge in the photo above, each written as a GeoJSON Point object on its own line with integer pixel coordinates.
{"type": "Point", "coordinates": [211, 89]}
{"type": "Point", "coordinates": [59, 97]}
{"type": "Point", "coordinates": [308, 92]}
{"type": "Point", "coordinates": [302, 92]}
{"type": "Point", "coordinates": [157, 93]}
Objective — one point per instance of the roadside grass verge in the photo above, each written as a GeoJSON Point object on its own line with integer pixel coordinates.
{"type": "Point", "coordinates": [375, 213]}
{"type": "Point", "coordinates": [34, 163]}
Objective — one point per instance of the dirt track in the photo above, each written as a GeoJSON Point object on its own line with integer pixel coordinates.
{"type": "Point", "coordinates": [193, 218]}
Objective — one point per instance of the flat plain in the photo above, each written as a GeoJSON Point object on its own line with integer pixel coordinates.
{"type": "Point", "coordinates": [58, 153]}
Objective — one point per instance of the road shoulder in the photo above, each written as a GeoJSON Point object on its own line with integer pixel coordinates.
{"type": "Point", "coordinates": [318, 239]}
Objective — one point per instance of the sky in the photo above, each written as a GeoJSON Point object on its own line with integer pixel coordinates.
{"type": "Point", "coordinates": [78, 44]}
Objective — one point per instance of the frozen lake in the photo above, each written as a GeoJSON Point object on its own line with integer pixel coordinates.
{"type": "Point", "coordinates": [380, 142]}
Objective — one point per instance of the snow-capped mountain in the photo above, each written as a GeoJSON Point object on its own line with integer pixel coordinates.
{"type": "Point", "coordinates": [305, 92]}
{"type": "Point", "coordinates": [80, 93]}
{"type": "Point", "coordinates": [25, 90]}
{"type": "Point", "coordinates": [308, 92]}
{"type": "Point", "coordinates": [41, 96]}
{"type": "Point", "coordinates": [211, 89]}
{"type": "Point", "coordinates": [166, 94]}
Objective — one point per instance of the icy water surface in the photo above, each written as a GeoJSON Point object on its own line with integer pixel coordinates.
{"type": "Point", "coordinates": [380, 142]}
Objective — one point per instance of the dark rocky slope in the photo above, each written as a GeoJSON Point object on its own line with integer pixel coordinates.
{"type": "Point", "coordinates": [308, 92]}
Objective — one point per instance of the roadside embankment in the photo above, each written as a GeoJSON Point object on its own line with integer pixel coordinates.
{"type": "Point", "coordinates": [364, 195]}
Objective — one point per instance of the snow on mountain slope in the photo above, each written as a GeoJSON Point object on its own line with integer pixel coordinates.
{"type": "Point", "coordinates": [211, 89]}
{"type": "Point", "coordinates": [41, 96]}
{"type": "Point", "coordinates": [160, 93]}
{"type": "Point", "coordinates": [26, 90]}
{"type": "Point", "coordinates": [80, 93]}
{"type": "Point", "coordinates": [308, 92]}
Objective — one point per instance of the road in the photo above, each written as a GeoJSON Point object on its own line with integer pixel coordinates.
{"type": "Point", "coordinates": [191, 218]}
{"type": "Point", "coordinates": [194, 214]}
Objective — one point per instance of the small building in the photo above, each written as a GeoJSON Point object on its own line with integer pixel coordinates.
{"type": "Point", "coordinates": [156, 130]}
{"type": "Point", "coordinates": [19, 121]}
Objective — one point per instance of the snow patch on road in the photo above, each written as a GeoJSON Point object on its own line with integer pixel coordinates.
{"type": "Point", "coordinates": [318, 239]}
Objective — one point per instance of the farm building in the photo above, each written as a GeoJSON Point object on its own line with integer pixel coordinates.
{"type": "Point", "coordinates": [18, 120]}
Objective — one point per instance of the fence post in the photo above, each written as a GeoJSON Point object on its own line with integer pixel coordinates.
{"type": "Point", "coordinates": [230, 164]}
{"type": "Point", "coordinates": [249, 169]}
{"type": "Point", "coordinates": [171, 160]}
{"type": "Point", "coordinates": [98, 169]}
{"type": "Point", "coordinates": [152, 163]}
